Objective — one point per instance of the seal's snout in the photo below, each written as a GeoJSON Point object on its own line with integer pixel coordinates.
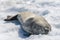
{"type": "Point", "coordinates": [47, 29]}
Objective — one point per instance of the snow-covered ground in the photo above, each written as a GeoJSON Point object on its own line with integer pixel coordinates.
{"type": "Point", "coordinates": [49, 9]}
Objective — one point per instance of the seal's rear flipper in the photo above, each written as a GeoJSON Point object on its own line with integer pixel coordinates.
{"type": "Point", "coordinates": [10, 18]}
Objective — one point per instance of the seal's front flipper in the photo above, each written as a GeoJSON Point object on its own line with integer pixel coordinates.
{"type": "Point", "coordinates": [10, 18]}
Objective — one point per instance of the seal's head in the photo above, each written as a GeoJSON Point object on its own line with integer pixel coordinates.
{"type": "Point", "coordinates": [37, 25]}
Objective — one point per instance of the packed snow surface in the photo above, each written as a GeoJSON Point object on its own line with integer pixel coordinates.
{"type": "Point", "coordinates": [49, 9]}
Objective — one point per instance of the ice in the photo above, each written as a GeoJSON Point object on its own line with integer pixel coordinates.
{"type": "Point", "coordinates": [49, 9]}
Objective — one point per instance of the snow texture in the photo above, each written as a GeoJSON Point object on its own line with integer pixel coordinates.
{"type": "Point", "coordinates": [49, 9]}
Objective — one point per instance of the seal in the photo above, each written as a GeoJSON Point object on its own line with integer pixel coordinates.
{"type": "Point", "coordinates": [31, 23]}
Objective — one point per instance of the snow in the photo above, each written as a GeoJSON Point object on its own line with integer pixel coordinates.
{"type": "Point", "coordinates": [49, 9]}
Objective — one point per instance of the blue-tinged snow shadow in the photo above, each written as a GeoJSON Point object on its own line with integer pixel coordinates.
{"type": "Point", "coordinates": [49, 4]}
{"type": "Point", "coordinates": [14, 21]}
{"type": "Point", "coordinates": [13, 9]}
{"type": "Point", "coordinates": [21, 32]}
{"type": "Point", "coordinates": [45, 12]}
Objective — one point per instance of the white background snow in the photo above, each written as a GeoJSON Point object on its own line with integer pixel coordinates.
{"type": "Point", "coordinates": [49, 9]}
